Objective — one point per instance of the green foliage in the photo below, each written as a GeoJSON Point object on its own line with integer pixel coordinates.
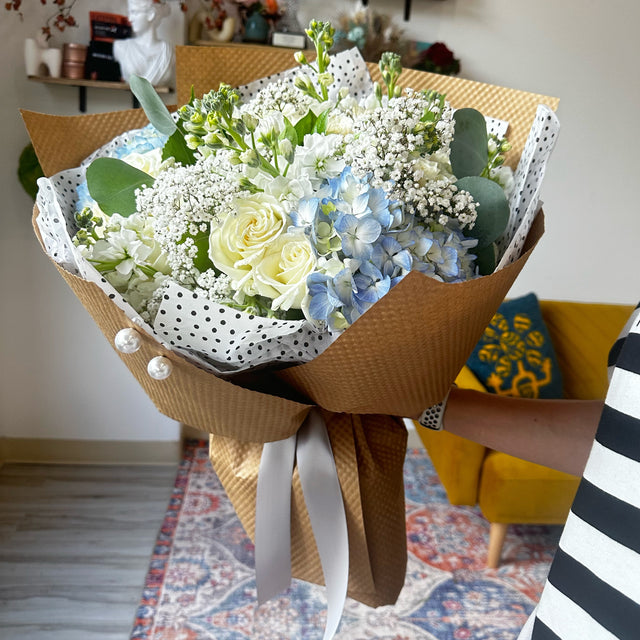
{"type": "Point", "coordinates": [469, 150]}
{"type": "Point", "coordinates": [290, 133]}
{"type": "Point", "coordinates": [321, 35]}
{"type": "Point", "coordinates": [486, 259]}
{"type": "Point", "coordinates": [320, 125]}
{"type": "Point", "coordinates": [29, 170]}
{"type": "Point", "coordinates": [176, 147]}
{"type": "Point", "coordinates": [428, 126]}
{"type": "Point", "coordinates": [391, 68]}
{"type": "Point", "coordinates": [112, 184]}
{"type": "Point", "coordinates": [306, 125]}
{"type": "Point", "coordinates": [152, 104]}
{"type": "Point", "coordinates": [159, 116]}
{"type": "Point", "coordinates": [202, 261]}
{"type": "Point", "coordinates": [492, 209]}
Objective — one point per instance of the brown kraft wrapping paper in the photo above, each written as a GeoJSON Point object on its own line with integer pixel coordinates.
{"type": "Point", "coordinates": [397, 359]}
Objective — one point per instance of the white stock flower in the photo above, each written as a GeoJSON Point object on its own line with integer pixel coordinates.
{"type": "Point", "coordinates": [503, 175]}
{"type": "Point", "coordinates": [241, 240]}
{"type": "Point", "coordinates": [282, 272]}
{"type": "Point", "coordinates": [271, 125]}
{"type": "Point", "coordinates": [316, 158]}
{"type": "Point", "coordinates": [288, 190]}
{"type": "Point", "coordinates": [141, 288]}
{"type": "Point", "coordinates": [130, 258]}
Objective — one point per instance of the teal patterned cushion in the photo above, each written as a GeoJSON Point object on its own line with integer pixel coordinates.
{"type": "Point", "coordinates": [515, 356]}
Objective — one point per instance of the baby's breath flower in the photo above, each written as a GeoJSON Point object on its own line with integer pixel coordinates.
{"type": "Point", "coordinates": [183, 201]}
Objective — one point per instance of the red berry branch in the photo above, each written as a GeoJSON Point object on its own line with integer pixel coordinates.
{"type": "Point", "coordinates": [60, 19]}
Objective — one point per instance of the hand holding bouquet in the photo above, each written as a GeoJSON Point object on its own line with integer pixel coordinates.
{"type": "Point", "coordinates": [328, 242]}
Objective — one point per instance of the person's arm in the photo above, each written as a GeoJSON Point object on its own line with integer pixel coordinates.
{"type": "Point", "coordinates": [554, 433]}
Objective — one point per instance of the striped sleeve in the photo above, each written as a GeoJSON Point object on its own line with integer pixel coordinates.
{"type": "Point", "coordinates": [617, 345]}
{"type": "Point", "coordinates": [593, 588]}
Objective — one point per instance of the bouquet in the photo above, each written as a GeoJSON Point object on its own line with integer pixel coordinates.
{"type": "Point", "coordinates": [290, 265]}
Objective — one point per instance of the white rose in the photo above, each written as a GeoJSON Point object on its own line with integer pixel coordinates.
{"type": "Point", "coordinates": [431, 168]}
{"type": "Point", "coordinates": [149, 162]}
{"type": "Point", "coordinates": [339, 123]}
{"type": "Point", "coordinates": [282, 272]}
{"type": "Point", "coordinates": [241, 240]}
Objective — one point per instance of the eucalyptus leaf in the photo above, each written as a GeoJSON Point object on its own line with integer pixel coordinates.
{"type": "Point", "coordinates": [176, 147]}
{"type": "Point", "coordinates": [486, 259]}
{"type": "Point", "coordinates": [492, 209]}
{"type": "Point", "coordinates": [112, 184]}
{"type": "Point", "coordinates": [152, 104]}
{"type": "Point", "coordinates": [469, 150]}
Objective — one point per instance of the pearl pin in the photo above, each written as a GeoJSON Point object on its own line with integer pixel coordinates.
{"type": "Point", "coordinates": [159, 368]}
{"type": "Point", "coordinates": [127, 341]}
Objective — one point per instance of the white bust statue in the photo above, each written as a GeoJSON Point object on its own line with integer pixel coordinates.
{"type": "Point", "coordinates": [144, 54]}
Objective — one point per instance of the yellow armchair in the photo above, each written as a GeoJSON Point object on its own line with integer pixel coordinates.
{"type": "Point", "coordinates": [509, 490]}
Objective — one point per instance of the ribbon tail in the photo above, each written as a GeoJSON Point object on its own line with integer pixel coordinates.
{"type": "Point", "coordinates": [323, 498]}
{"type": "Point", "coordinates": [273, 518]}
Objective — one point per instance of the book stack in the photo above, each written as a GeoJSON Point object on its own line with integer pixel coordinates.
{"type": "Point", "coordinates": [105, 28]}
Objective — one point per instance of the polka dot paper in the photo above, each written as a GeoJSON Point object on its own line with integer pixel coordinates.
{"type": "Point", "coordinates": [525, 199]}
{"type": "Point", "coordinates": [349, 70]}
{"type": "Point", "coordinates": [231, 340]}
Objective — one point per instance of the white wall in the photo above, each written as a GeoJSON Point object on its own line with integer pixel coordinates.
{"type": "Point", "coordinates": [59, 377]}
{"type": "Point", "coordinates": [586, 53]}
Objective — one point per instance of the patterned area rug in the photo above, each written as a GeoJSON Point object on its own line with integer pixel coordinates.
{"type": "Point", "coordinates": [201, 582]}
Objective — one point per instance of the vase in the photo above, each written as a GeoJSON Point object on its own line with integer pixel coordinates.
{"type": "Point", "coordinates": [256, 28]}
{"type": "Point", "coordinates": [37, 58]}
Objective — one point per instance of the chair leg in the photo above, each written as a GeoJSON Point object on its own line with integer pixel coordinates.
{"type": "Point", "coordinates": [497, 533]}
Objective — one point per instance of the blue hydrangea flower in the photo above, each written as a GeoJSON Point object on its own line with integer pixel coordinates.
{"type": "Point", "coordinates": [371, 284]}
{"type": "Point", "coordinates": [357, 235]}
{"type": "Point", "coordinates": [146, 139]}
{"type": "Point", "coordinates": [391, 258]}
{"type": "Point", "coordinates": [375, 244]}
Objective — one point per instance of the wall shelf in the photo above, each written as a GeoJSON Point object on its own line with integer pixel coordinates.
{"type": "Point", "coordinates": [97, 84]}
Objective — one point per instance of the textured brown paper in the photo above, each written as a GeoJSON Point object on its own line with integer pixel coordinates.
{"type": "Point", "coordinates": [398, 358]}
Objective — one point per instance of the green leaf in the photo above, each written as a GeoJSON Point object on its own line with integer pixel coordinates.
{"type": "Point", "coordinates": [112, 184]}
{"type": "Point", "coordinates": [152, 104]}
{"type": "Point", "coordinates": [176, 147]}
{"type": "Point", "coordinates": [320, 125]}
{"type": "Point", "coordinates": [486, 259]}
{"type": "Point", "coordinates": [202, 261]}
{"type": "Point", "coordinates": [305, 125]}
{"type": "Point", "coordinates": [492, 209]}
{"type": "Point", "coordinates": [29, 170]}
{"type": "Point", "coordinates": [469, 151]}
{"type": "Point", "coordinates": [290, 133]}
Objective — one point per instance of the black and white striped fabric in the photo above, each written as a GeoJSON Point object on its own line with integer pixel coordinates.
{"type": "Point", "coordinates": [593, 588]}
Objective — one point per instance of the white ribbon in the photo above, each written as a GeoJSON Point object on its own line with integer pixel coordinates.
{"type": "Point", "coordinates": [273, 518]}
{"type": "Point", "coordinates": [323, 498]}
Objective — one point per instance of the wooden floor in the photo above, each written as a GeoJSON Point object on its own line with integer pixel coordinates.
{"type": "Point", "coordinates": [75, 543]}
